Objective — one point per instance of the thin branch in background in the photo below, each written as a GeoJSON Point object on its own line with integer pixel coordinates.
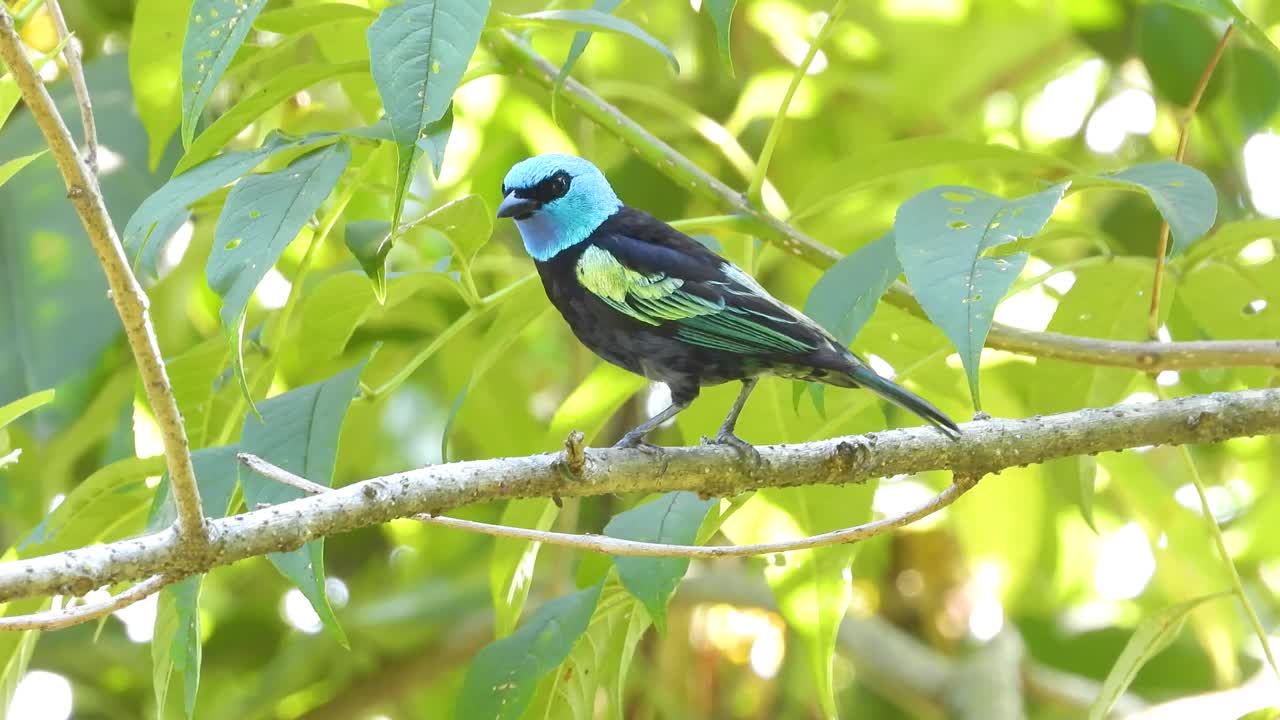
{"type": "Point", "coordinates": [779, 120]}
{"type": "Point", "coordinates": [75, 67]}
{"type": "Point", "coordinates": [67, 617]}
{"type": "Point", "coordinates": [606, 545]}
{"type": "Point", "coordinates": [521, 59]}
{"type": "Point", "coordinates": [1184, 134]}
{"type": "Point", "coordinates": [130, 300]}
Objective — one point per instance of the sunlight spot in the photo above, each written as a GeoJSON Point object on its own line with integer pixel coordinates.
{"type": "Point", "coordinates": [273, 291]}
{"type": "Point", "coordinates": [767, 652]}
{"type": "Point", "coordinates": [881, 366]}
{"type": "Point", "coordinates": [1162, 334]}
{"type": "Point", "coordinates": [1139, 398]}
{"type": "Point", "coordinates": [1258, 252]}
{"type": "Point", "coordinates": [658, 399]}
{"type": "Point", "coordinates": [1000, 110]}
{"type": "Point", "coordinates": [109, 161]}
{"type": "Point", "coordinates": [1129, 112]}
{"type": "Point", "coordinates": [42, 695]}
{"type": "Point", "coordinates": [987, 617]}
{"type": "Point", "coordinates": [337, 591]}
{"type": "Point", "coordinates": [1223, 503]}
{"type": "Point", "coordinates": [894, 498]}
{"type": "Point", "coordinates": [1256, 306]}
{"type": "Point", "coordinates": [175, 248]}
{"type": "Point", "coordinates": [147, 440]}
{"type": "Point", "coordinates": [297, 611]}
{"type": "Point", "coordinates": [1167, 378]}
{"type": "Point", "coordinates": [1059, 111]}
{"type": "Point", "coordinates": [56, 501]}
{"type": "Point", "coordinates": [1061, 282]}
{"type": "Point", "coordinates": [1262, 172]}
{"type": "Point", "coordinates": [947, 11]}
{"type": "Point", "coordinates": [1125, 564]}
{"type": "Point", "coordinates": [139, 619]}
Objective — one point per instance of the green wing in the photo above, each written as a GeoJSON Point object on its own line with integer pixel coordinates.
{"type": "Point", "coordinates": [710, 319]}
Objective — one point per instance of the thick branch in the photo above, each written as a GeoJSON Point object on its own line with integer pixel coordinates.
{"type": "Point", "coordinates": [126, 293]}
{"type": "Point", "coordinates": [1149, 356]}
{"type": "Point", "coordinates": [984, 447]}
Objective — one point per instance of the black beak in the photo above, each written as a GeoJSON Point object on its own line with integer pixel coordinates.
{"type": "Point", "coordinates": [517, 207]}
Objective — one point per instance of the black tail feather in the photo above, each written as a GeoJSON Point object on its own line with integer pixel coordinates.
{"type": "Point", "coordinates": [903, 398]}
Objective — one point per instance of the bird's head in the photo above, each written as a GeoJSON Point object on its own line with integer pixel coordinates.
{"type": "Point", "coordinates": [556, 201]}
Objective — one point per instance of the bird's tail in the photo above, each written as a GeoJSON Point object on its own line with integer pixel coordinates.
{"type": "Point", "coordinates": [865, 377]}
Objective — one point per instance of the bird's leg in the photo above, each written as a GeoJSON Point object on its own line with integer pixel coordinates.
{"type": "Point", "coordinates": [725, 436]}
{"type": "Point", "coordinates": [635, 438]}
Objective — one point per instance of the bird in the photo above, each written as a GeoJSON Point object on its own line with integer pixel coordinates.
{"type": "Point", "coordinates": [648, 298]}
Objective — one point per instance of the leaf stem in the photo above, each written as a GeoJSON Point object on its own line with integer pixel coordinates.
{"type": "Point", "coordinates": [1184, 134]}
{"type": "Point", "coordinates": [754, 190]}
{"type": "Point", "coordinates": [1218, 540]}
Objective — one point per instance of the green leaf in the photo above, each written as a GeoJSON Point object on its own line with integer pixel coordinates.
{"type": "Point", "coordinates": [262, 215]}
{"type": "Point", "coordinates": [578, 46]}
{"type": "Point", "coordinates": [503, 676]}
{"type": "Point", "coordinates": [512, 563]}
{"type": "Point", "coordinates": [194, 376]}
{"type": "Point", "coordinates": [812, 587]}
{"type": "Point", "coordinates": [22, 406]}
{"type": "Point", "coordinates": [1255, 88]}
{"type": "Point", "coordinates": [436, 138]}
{"type": "Point", "coordinates": [1175, 46]}
{"type": "Point", "coordinates": [278, 88]}
{"type": "Point", "coordinates": [293, 20]}
{"type": "Point", "coordinates": [155, 68]}
{"type": "Point", "coordinates": [592, 21]}
{"type": "Point", "coordinates": [1229, 238]}
{"type": "Point", "coordinates": [1152, 635]}
{"type": "Point", "coordinates": [878, 163]}
{"type": "Point", "coordinates": [1227, 10]}
{"type": "Point", "coordinates": [215, 31]}
{"type": "Point", "coordinates": [299, 432]}
{"type": "Point", "coordinates": [199, 181]}
{"type": "Point", "coordinates": [594, 401]}
{"type": "Point", "coordinates": [721, 14]}
{"type": "Point", "coordinates": [846, 295]}
{"type": "Point", "coordinates": [941, 237]}
{"type": "Point", "coordinates": [14, 166]}
{"type": "Point", "coordinates": [673, 519]}
{"type": "Point", "coordinates": [1183, 195]}
{"type": "Point", "coordinates": [420, 50]}
{"type": "Point", "coordinates": [370, 242]}
{"type": "Point", "coordinates": [175, 644]}
{"type": "Point", "coordinates": [344, 301]}
{"type": "Point", "coordinates": [468, 224]}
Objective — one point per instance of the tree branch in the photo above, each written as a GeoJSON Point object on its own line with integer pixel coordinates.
{"type": "Point", "coordinates": [66, 617]}
{"type": "Point", "coordinates": [127, 295]}
{"type": "Point", "coordinates": [75, 68]}
{"type": "Point", "coordinates": [984, 447]}
{"type": "Point", "coordinates": [1148, 356]}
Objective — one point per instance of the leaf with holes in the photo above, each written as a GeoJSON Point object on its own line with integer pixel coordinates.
{"type": "Point", "coordinates": [592, 21]}
{"type": "Point", "coordinates": [672, 519]}
{"type": "Point", "coordinates": [721, 13]}
{"type": "Point", "coordinates": [262, 215]}
{"type": "Point", "coordinates": [419, 51]}
{"type": "Point", "coordinates": [941, 237]}
{"type": "Point", "coordinates": [503, 676]}
{"type": "Point", "coordinates": [1183, 195]}
{"type": "Point", "coordinates": [1152, 635]}
{"type": "Point", "coordinates": [215, 31]}
{"type": "Point", "coordinates": [299, 433]}
{"type": "Point", "coordinates": [199, 181]}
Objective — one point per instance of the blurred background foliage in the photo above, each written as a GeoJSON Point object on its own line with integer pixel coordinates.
{"type": "Point", "coordinates": [1094, 85]}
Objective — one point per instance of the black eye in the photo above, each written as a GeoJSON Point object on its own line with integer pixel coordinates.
{"type": "Point", "coordinates": [559, 184]}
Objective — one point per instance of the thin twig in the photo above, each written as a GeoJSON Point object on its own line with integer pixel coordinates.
{"type": "Point", "coordinates": [780, 119]}
{"type": "Point", "coordinates": [67, 617]}
{"type": "Point", "coordinates": [1149, 356]}
{"type": "Point", "coordinates": [1184, 134]}
{"type": "Point", "coordinates": [75, 67]}
{"type": "Point", "coordinates": [617, 546]}
{"type": "Point", "coordinates": [127, 295]}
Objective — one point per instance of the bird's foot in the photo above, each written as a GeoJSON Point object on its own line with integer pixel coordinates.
{"type": "Point", "coordinates": [744, 448]}
{"type": "Point", "coordinates": [636, 441]}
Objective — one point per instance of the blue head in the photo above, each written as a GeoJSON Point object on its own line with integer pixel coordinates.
{"type": "Point", "coordinates": [556, 201]}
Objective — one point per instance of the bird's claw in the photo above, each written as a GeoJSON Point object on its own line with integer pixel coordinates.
{"type": "Point", "coordinates": [637, 442]}
{"type": "Point", "coordinates": [744, 448]}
